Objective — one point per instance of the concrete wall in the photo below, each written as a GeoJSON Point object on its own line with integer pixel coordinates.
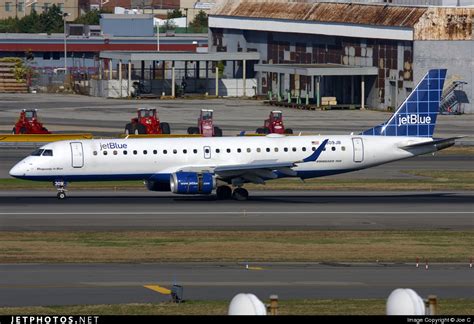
{"type": "Point", "coordinates": [456, 56]}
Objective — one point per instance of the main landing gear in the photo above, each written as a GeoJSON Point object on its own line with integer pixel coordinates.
{"type": "Point", "coordinates": [225, 192]}
{"type": "Point", "coordinates": [61, 187]}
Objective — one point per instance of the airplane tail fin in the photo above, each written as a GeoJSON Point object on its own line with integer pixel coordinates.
{"type": "Point", "coordinates": [416, 116]}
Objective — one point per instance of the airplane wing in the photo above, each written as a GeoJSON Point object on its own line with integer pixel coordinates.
{"type": "Point", "coordinates": [258, 171]}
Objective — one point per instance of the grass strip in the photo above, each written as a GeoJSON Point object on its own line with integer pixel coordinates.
{"type": "Point", "coordinates": [286, 307]}
{"type": "Point", "coordinates": [236, 246]}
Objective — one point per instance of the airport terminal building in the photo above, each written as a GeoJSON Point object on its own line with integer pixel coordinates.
{"type": "Point", "coordinates": [362, 54]}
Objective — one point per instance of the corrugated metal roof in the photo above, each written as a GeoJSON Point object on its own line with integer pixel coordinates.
{"type": "Point", "coordinates": [379, 15]}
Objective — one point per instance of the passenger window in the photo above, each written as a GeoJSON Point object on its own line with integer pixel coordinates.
{"type": "Point", "coordinates": [206, 151]}
{"type": "Point", "coordinates": [259, 149]}
{"type": "Point", "coordinates": [304, 149]}
{"type": "Point", "coordinates": [218, 150]}
{"type": "Point", "coordinates": [37, 153]}
{"type": "Point", "coordinates": [285, 149]}
{"type": "Point", "coordinates": [239, 150]}
{"type": "Point", "coordinates": [276, 149]}
{"type": "Point", "coordinates": [313, 148]}
{"type": "Point", "coordinates": [195, 151]}
{"type": "Point", "coordinates": [324, 149]}
{"type": "Point", "coordinates": [135, 152]}
{"type": "Point", "coordinates": [294, 149]}
{"type": "Point", "coordinates": [175, 151]}
{"type": "Point", "coordinates": [333, 148]}
{"type": "Point", "coordinates": [185, 151]}
{"type": "Point", "coordinates": [95, 152]}
{"type": "Point", "coordinates": [249, 150]}
{"type": "Point", "coordinates": [105, 152]}
{"type": "Point", "coordinates": [115, 152]}
{"type": "Point", "coordinates": [145, 152]}
{"type": "Point", "coordinates": [228, 151]}
{"type": "Point", "coordinates": [165, 152]}
{"type": "Point", "coordinates": [155, 152]}
{"type": "Point", "coordinates": [125, 152]}
{"type": "Point", "coordinates": [343, 148]}
{"type": "Point", "coordinates": [268, 149]}
{"type": "Point", "coordinates": [47, 153]}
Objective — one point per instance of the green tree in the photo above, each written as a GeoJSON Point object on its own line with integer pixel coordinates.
{"type": "Point", "coordinates": [199, 21]}
{"type": "Point", "coordinates": [30, 23]}
{"type": "Point", "coordinates": [176, 13]}
{"type": "Point", "coordinates": [89, 18]}
{"type": "Point", "coordinates": [51, 20]}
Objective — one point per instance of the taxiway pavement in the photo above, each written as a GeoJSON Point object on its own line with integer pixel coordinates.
{"type": "Point", "coordinates": [72, 284]}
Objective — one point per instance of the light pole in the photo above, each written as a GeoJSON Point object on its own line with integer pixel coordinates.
{"type": "Point", "coordinates": [65, 14]}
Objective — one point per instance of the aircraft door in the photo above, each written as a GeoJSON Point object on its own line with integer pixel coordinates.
{"type": "Point", "coordinates": [77, 155]}
{"type": "Point", "coordinates": [207, 152]}
{"type": "Point", "coordinates": [358, 149]}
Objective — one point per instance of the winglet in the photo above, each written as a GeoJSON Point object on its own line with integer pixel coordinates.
{"type": "Point", "coordinates": [313, 157]}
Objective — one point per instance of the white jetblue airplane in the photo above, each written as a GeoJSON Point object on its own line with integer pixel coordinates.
{"type": "Point", "coordinates": [200, 165]}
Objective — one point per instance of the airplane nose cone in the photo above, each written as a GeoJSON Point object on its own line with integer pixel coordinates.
{"type": "Point", "coordinates": [18, 170]}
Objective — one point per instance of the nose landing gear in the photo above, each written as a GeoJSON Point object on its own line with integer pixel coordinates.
{"type": "Point", "coordinates": [61, 187]}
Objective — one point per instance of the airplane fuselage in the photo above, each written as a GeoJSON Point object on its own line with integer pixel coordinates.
{"type": "Point", "coordinates": [157, 158]}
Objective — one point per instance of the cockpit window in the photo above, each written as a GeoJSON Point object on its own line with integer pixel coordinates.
{"type": "Point", "coordinates": [38, 152]}
{"type": "Point", "coordinates": [48, 153]}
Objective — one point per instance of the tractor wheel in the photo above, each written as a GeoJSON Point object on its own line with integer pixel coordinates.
{"type": "Point", "coordinates": [13, 130]}
{"type": "Point", "coordinates": [223, 192]}
{"type": "Point", "coordinates": [165, 128]}
{"type": "Point", "coordinates": [217, 132]}
{"type": "Point", "coordinates": [193, 130]}
{"type": "Point", "coordinates": [129, 129]}
{"type": "Point", "coordinates": [23, 130]}
{"type": "Point", "coordinates": [140, 129]}
{"type": "Point", "coordinates": [240, 194]}
{"type": "Point", "coordinates": [266, 131]}
{"type": "Point", "coordinates": [259, 131]}
{"type": "Point", "coordinates": [288, 131]}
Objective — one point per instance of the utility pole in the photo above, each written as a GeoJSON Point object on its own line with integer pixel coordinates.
{"type": "Point", "coordinates": [65, 14]}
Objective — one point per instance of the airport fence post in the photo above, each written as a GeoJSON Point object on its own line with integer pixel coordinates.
{"type": "Point", "coordinates": [273, 309]}
{"type": "Point", "coordinates": [432, 305]}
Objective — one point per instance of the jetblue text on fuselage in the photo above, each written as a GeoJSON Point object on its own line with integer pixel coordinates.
{"type": "Point", "coordinates": [112, 146]}
{"type": "Point", "coordinates": [413, 120]}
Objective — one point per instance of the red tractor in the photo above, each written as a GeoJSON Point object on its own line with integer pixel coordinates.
{"type": "Point", "coordinates": [28, 123]}
{"type": "Point", "coordinates": [206, 125]}
{"type": "Point", "coordinates": [274, 124]}
{"type": "Point", "coordinates": [147, 122]}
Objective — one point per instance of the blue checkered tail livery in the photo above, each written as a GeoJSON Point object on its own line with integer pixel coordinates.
{"type": "Point", "coordinates": [416, 116]}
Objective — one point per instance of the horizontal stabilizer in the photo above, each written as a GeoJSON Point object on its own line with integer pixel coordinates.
{"type": "Point", "coordinates": [439, 144]}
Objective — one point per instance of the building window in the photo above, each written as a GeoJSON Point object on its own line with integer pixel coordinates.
{"type": "Point", "coordinates": [61, 6]}
{"type": "Point", "coordinates": [46, 55]}
{"type": "Point", "coordinates": [46, 6]}
{"type": "Point", "coordinates": [56, 55]}
{"type": "Point", "coordinates": [8, 6]}
{"type": "Point", "coordinates": [33, 7]}
{"type": "Point", "coordinates": [20, 6]}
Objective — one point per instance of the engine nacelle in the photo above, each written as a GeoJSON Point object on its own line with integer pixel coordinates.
{"type": "Point", "coordinates": [192, 183]}
{"type": "Point", "coordinates": [157, 185]}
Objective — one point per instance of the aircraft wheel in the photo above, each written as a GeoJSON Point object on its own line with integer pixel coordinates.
{"type": "Point", "coordinates": [223, 192]}
{"type": "Point", "coordinates": [240, 194]}
{"type": "Point", "coordinates": [61, 195]}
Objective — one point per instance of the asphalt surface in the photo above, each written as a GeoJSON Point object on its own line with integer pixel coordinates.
{"type": "Point", "coordinates": [281, 210]}
{"type": "Point", "coordinates": [66, 284]}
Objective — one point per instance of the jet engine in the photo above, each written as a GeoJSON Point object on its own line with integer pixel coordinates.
{"type": "Point", "coordinates": [192, 183]}
{"type": "Point", "coordinates": [153, 185]}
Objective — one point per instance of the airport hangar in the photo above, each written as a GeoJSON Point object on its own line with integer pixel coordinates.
{"type": "Point", "coordinates": [363, 54]}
